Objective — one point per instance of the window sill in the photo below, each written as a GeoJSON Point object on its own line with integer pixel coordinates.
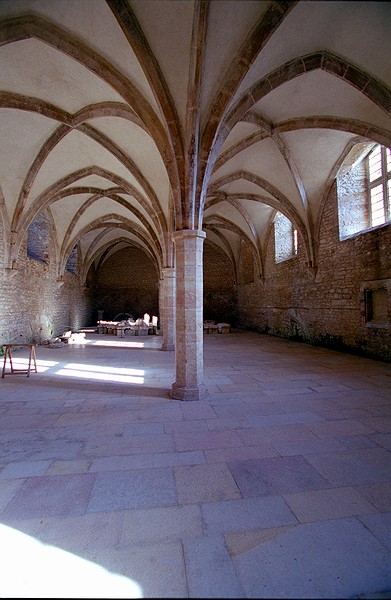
{"type": "Point", "coordinates": [375, 325]}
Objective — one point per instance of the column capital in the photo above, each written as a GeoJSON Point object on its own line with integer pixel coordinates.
{"type": "Point", "coordinates": [182, 234]}
{"type": "Point", "coordinates": [168, 272]}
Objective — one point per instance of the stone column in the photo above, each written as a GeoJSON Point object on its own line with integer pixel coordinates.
{"type": "Point", "coordinates": [189, 359]}
{"type": "Point", "coordinates": [167, 308]}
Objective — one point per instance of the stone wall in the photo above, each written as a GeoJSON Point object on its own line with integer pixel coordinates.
{"type": "Point", "coordinates": [290, 301]}
{"type": "Point", "coordinates": [127, 282]}
{"type": "Point", "coordinates": [329, 308]}
{"type": "Point", "coordinates": [34, 306]}
{"type": "Point", "coordinates": [220, 302]}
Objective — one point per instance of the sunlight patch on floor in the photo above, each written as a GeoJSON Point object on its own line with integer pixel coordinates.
{"type": "Point", "coordinates": [114, 370]}
{"type": "Point", "coordinates": [32, 569]}
{"type": "Point", "coordinates": [116, 343]}
{"type": "Point", "coordinates": [123, 375]}
{"type": "Point", "coordinates": [22, 363]}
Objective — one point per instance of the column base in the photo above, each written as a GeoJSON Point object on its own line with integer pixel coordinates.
{"type": "Point", "coordinates": [188, 393]}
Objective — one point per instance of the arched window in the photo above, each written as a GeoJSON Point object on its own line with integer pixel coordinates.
{"type": "Point", "coordinates": [285, 238]}
{"type": "Point", "coordinates": [364, 189]}
{"type": "Point", "coordinates": [72, 261]}
{"type": "Point", "coordinates": [378, 163]}
{"type": "Point", "coordinates": [38, 238]}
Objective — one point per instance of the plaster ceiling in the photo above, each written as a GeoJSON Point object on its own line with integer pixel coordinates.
{"type": "Point", "coordinates": [129, 119]}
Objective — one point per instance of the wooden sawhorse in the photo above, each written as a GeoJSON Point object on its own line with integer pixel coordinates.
{"type": "Point", "coordinates": [32, 358]}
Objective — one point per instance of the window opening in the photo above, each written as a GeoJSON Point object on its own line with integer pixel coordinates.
{"type": "Point", "coordinates": [38, 238]}
{"type": "Point", "coordinates": [71, 265]}
{"type": "Point", "coordinates": [285, 238]}
{"type": "Point", "coordinates": [364, 189]}
{"type": "Point", "coordinates": [379, 177]}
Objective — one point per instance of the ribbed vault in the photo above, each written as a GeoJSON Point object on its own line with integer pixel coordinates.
{"type": "Point", "coordinates": [129, 120]}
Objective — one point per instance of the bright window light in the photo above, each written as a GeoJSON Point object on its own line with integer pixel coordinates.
{"type": "Point", "coordinates": [379, 174]}
{"type": "Point", "coordinates": [375, 164]}
{"type": "Point", "coordinates": [285, 238]}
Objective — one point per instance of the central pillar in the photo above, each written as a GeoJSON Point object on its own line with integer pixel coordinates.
{"type": "Point", "coordinates": [189, 348]}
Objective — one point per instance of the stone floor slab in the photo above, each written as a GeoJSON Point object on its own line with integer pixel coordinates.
{"type": "Point", "coordinates": [205, 483]}
{"type": "Point", "coordinates": [379, 494]}
{"type": "Point", "coordinates": [171, 523]}
{"type": "Point", "coordinates": [206, 440]}
{"type": "Point", "coordinates": [124, 506]}
{"type": "Point", "coordinates": [364, 466]}
{"type": "Point", "coordinates": [74, 534]}
{"type": "Point", "coordinates": [19, 469]}
{"type": "Point", "coordinates": [286, 419]}
{"type": "Point", "coordinates": [239, 515]}
{"type": "Point", "coordinates": [327, 429]}
{"type": "Point", "coordinates": [57, 495]}
{"type": "Point", "coordinates": [158, 569]}
{"type": "Point", "coordinates": [8, 489]}
{"type": "Point", "coordinates": [122, 490]}
{"type": "Point", "coordinates": [380, 526]}
{"type": "Point", "coordinates": [242, 453]}
{"type": "Point", "coordinates": [289, 433]}
{"type": "Point", "coordinates": [37, 448]}
{"type": "Point", "coordinates": [270, 476]}
{"type": "Point", "coordinates": [144, 461]}
{"type": "Point", "coordinates": [209, 568]}
{"type": "Point", "coordinates": [333, 559]}
{"type": "Point", "coordinates": [303, 447]}
{"type": "Point", "coordinates": [334, 503]}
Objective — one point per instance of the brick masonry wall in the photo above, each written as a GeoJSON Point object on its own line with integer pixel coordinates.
{"type": "Point", "coordinates": [327, 309]}
{"type": "Point", "coordinates": [126, 283]}
{"type": "Point", "coordinates": [220, 301]}
{"type": "Point", "coordinates": [33, 306]}
{"type": "Point", "coordinates": [247, 267]}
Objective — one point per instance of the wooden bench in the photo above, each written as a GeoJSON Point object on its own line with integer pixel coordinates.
{"type": "Point", "coordinates": [32, 358]}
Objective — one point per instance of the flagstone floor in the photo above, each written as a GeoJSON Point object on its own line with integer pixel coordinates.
{"type": "Point", "coordinates": [278, 485]}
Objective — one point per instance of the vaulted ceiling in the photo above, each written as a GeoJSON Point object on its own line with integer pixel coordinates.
{"type": "Point", "coordinates": [130, 119]}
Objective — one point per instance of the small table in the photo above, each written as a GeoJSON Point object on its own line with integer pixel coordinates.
{"type": "Point", "coordinates": [32, 358]}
